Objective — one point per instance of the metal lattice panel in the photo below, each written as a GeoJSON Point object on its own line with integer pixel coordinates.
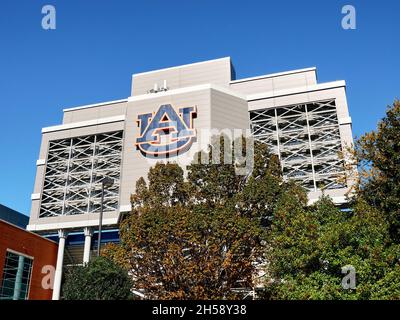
{"type": "Point", "coordinates": [75, 168]}
{"type": "Point", "coordinates": [307, 140]}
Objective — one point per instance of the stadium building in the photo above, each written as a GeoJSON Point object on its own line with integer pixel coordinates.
{"type": "Point", "coordinates": [306, 123]}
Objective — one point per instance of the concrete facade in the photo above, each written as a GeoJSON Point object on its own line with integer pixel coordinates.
{"type": "Point", "coordinates": [221, 103]}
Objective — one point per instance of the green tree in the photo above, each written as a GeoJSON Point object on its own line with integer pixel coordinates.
{"type": "Point", "coordinates": [388, 287]}
{"type": "Point", "coordinates": [198, 238]}
{"type": "Point", "coordinates": [101, 279]}
{"type": "Point", "coordinates": [378, 155]}
{"type": "Point", "coordinates": [310, 246]}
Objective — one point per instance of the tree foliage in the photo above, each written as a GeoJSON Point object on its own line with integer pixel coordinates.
{"type": "Point", "coordinates": [378, 155]}
{"type": "Point", "coordinates": [310, 246]}
{"type": "Point", "coordinates": [201, 237]}
{"type": "Point", "coordinates": [101, 279]}
{"type": "Point", "coordinates": [198, 238]}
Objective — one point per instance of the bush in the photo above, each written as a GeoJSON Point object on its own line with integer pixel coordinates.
{"type": "Point", "coordinates": [101, 279]}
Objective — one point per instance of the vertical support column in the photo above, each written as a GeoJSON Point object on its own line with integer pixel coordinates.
{"type": "Point", "coordinates": [18, 278]}
{"type": "Point", "coordinates": [60, 263]}
{"type": "Point", "coordinates": [67, 176]}
{"type": "Point", "coordinates": [278, 145]}
{"type": "Point", "coordinates": [311, 148]}
{"type": "Point", "coordinates": [88, 232]}
{"type": "Point", "coordinates": [92, 167]}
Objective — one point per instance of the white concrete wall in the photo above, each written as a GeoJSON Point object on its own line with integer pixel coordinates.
{"type": "Point", "coordinates": [214, 71]}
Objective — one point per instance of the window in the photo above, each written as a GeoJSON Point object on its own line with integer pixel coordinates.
{"type": "Point", "coordinates": [306, 138]}
{"type": "Point", "coordinates": [75, 168]}
{"type": "Point", "coordinates": [16, 277]}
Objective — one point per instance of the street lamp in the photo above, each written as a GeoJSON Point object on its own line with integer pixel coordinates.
{"type": "Point", "coordinates": [105, 183]}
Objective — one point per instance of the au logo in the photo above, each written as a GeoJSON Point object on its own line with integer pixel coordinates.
{"type": "Point", "coordinates": [166, 133]}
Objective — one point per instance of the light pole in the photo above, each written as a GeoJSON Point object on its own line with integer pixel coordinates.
{"type": "Point", "coordinates": [105, 183]}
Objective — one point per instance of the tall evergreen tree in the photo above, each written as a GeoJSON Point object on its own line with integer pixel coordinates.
{"type": "Point", "coordinates": [378, 155]}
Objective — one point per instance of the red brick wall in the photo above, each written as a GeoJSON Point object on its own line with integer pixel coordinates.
{"type": "Point", "coordinates": [43, 251]}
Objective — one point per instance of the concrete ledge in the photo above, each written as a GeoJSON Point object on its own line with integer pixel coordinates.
{"type": "Point", "coordinates": [125, 208]}
{"type": "Point", "coordinates": [41, 162]}
{"type": "Point", "coordinates": [274, 75]}
{"type": "Point", "coordinates": [180, 67]}
{"type": "Point", "coordinates": [35, 196]}
{"type": "Point", "coordinates": [88, 123]}
{"type": "Point", "coordinates": [199, 87]}
{"type": "Point", "coordinates": [345, 120]}
{"type": "Point", "coordinates": [70, 225]}
{"type": "Point", "coordinates": [292, 91]}
{"type": "Point", "coordinates": [87, 106]}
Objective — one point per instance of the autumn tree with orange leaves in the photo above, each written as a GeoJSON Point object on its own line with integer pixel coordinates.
{"type": "Point", "coordinates": [200, 237]}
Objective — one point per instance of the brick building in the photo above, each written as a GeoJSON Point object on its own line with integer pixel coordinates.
{"type": "Point", "coordinates": [23, 255]}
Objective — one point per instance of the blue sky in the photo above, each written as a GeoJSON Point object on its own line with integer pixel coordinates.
{"type": "Point", "coordinates": [97, 46]}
